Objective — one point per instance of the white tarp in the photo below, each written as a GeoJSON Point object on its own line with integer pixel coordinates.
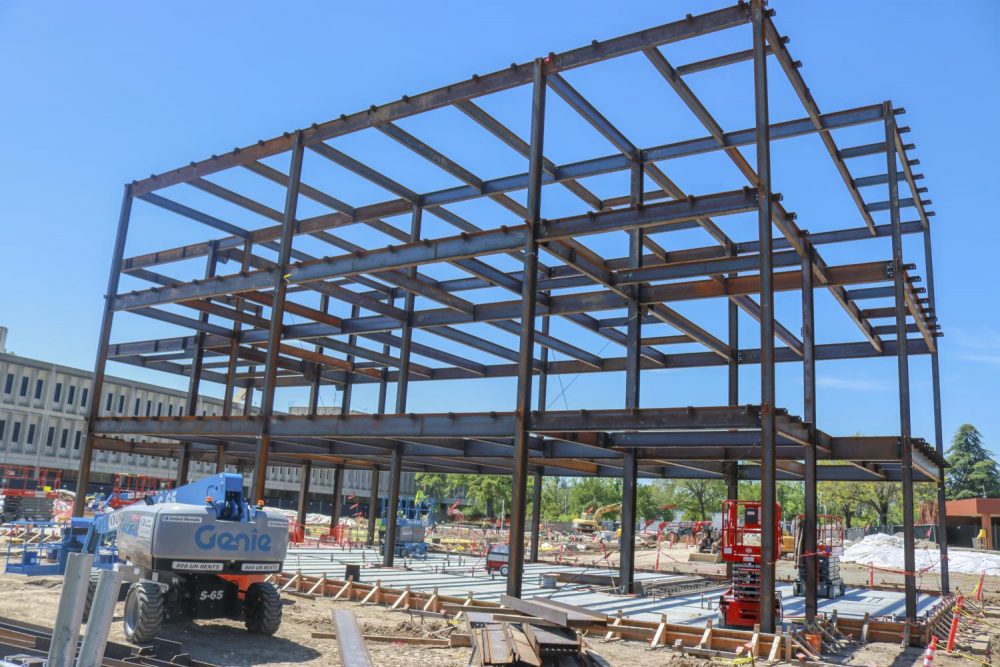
{"type": "Point", "coordinates": [311, 519]}
{"type": "Point", "coordinates": [886, 551]}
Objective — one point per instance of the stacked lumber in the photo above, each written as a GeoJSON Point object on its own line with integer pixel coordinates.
{"type": "Point", "coordinates": [528, 641]}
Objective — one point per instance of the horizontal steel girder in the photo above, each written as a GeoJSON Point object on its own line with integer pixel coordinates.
{"type": "Point", "coordinates": [450, 248]}
{"type": "Point", "coordinates": [128, 353]}
{"type": "Point", "coordinates": [594, 167]}
{"type": "Point", "coordinates": [516, 75]}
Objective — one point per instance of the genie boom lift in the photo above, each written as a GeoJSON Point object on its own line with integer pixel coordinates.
{"type": "Point", "coordinates": [198, 551]}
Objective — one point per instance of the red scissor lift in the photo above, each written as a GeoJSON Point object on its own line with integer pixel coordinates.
{"type": "Point", "coordinates": [27, 494]}
{"type": "Point", "coordinates": [22, 481]}
{"type": "Point", "coordinates": [741, 545]}
{"type": "Point", "coordinates": [128, 489]}
{"type": "Point", "coordinates": [829, 548]}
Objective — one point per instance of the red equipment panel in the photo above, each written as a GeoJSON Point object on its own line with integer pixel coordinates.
{"type": "Point", "coordinates": [741, 531]}
{"type": "Point", "coordinates": [22, 480]}
{"type": "Point", "coordinates": [128, 489]}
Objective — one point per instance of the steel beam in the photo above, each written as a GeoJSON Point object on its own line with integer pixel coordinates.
{"type": "Point", "coordinates": [194, 384]}
{"type": "Point", "coordinates": [529, 296]}
{"type": "Point", "coordinates": [536, 515]}
{"type": "Point", "coordinates": [767, 391]}
{"type": "Point", "coordinates": [101, 362]}
{"type": "Point", "coordinates": [477, 86]}
{"type": "Point", "coordinates": [808, 527]}
{"type": "Point", "coordinates": [279, 286]}
{"type": "Point", "coordinates": [903, 367]}
{"type": "Point", "coordinates": [633, 374]}
{"type": "Point", "coordinates": [402, 388]}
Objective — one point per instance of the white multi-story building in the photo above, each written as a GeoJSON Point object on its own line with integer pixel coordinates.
{"type": "Point", "coordinates": [43, 407]}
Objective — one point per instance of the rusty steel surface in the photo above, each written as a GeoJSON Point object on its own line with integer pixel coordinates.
{"type": "Point", "coordinates": [416, 285]}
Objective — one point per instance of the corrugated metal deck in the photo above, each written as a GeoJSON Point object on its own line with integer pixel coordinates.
{"type": "Point", "coordinates": [460, 575]}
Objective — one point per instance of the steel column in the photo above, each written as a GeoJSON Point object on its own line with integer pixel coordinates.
{"type": "Point", "coordinates": [317, 380]}
{"type": "Point", "coordinates": [233, 361]}
{"type": "Point", "coordinates": [345, 409]}
{"type": "Point", "coordinates": [338, 492]}
{"type": "Point", "coordinates": [402, 387]}
{"type": "Point", "coordinates": [303, 504]}
{"type": "Point", "coordinates": [529, 296]}
{"type": "Point", "coordinates": [809, 416]}
{"type": "Point", "coordinates": [733, 365]}
{"type": "Point", "coordinates": [633, 366]}
{"type": "Point", "coordinates": [277, 321]}
{"type": "Point", "coordinates": [942, 527]}
{"type": "Point", "coordinates": [767, 463]}
{"type": "Point", "coordinates": [383, 390]}
{"type": "Point", "coordinates": [902, 361]}
{"type": "Point", "coordinates": [536, 515]}
{"type": "Point", "coordinates": [103, 338]}
{"type": "Point", "coordinates": [536, 507]}
{"type": "Point", "coordinates": [345, 397]}
{"type": "Point", "coordinates": [194, 381]}
{"type": "Point", "coordinates": [373, 506]}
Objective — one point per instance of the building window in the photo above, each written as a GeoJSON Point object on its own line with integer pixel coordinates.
{"type": "Point", "coordinates": [170, 409]}
{"type": "Point", "coordinates": [149, 408]}
{"type": "Point", "coordinates": [38, 389]}
{"type": "Point", "coordinates": [31, 434]}
{"type": "Point", "coordinates": [180, 410]}
{"type": "Point", "coordinates": [8, 385]}
{"type": "Point", "coordinates": [24, 385]}
{"type": "Point", "coordinates": [58, 394]}
{"type": "Point", "coordinates": [72, 393]}
{"type": "Point", "coordinates": [135, 410]}
{"type": "Point", "coordinates": [107, 405]}
{"type": "Point", "coordinates": [65, 439]}
{"type": "Point", "coordinates": [159, 409]}
{"type": "Point", "coordinates": [15, 432]}
{"type": "Point", "coordinates": [121, 403]}
{"type": "Point", "coordinates": [51, 436]}
{"type": "Point", "coordinates": [83, 397]}
{"type": "Point", "coordinates": [76, 440]}
{"type": "Point", "coordinates": [3, 427]}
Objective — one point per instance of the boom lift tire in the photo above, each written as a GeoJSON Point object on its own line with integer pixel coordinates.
{"type": "Point", "coordinates": [144, 612]}
{"type": "Point", "coordinates": [91, 590]}
{"type": "Point", "coordinates": [262, 608]}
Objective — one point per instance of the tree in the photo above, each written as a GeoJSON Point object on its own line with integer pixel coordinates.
{"type": "Point", "coordinates": [653, 500]}
{"type": "Point", "coordinates": [556, 502]}
{"type": "Point", "coordinates": [973, 472]}
{"type": "Point", "coordinates": [589, 493]}
{"type": "Point", "coordinates": [700, 498]}
{"type": "Point", "coordinates": [879, 497]}
{"type": "Point", "coordinates": [436, 485]}
{"type": "Point", "coordinates": [838, 498]}
{"type": "Point", "coordinates": [487, 492]}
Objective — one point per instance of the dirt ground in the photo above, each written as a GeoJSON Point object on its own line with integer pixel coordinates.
{"type": "Point", "coordinates": [34, 599]}
{"type": "Point", "coordinates": [226, 643]}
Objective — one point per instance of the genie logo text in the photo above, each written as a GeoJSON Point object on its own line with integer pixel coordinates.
{"type": "Point", "coordinates": [207, 537]}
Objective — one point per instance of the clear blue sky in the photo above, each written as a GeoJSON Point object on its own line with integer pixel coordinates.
{"type": "Point", "coordinates": [98, 94]}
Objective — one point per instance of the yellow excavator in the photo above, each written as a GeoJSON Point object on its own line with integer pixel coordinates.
{"type": "Point", "coordinates": [591, 521]}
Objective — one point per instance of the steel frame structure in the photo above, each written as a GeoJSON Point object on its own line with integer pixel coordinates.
{"type": "Point", "coordinates": [260, 328]}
